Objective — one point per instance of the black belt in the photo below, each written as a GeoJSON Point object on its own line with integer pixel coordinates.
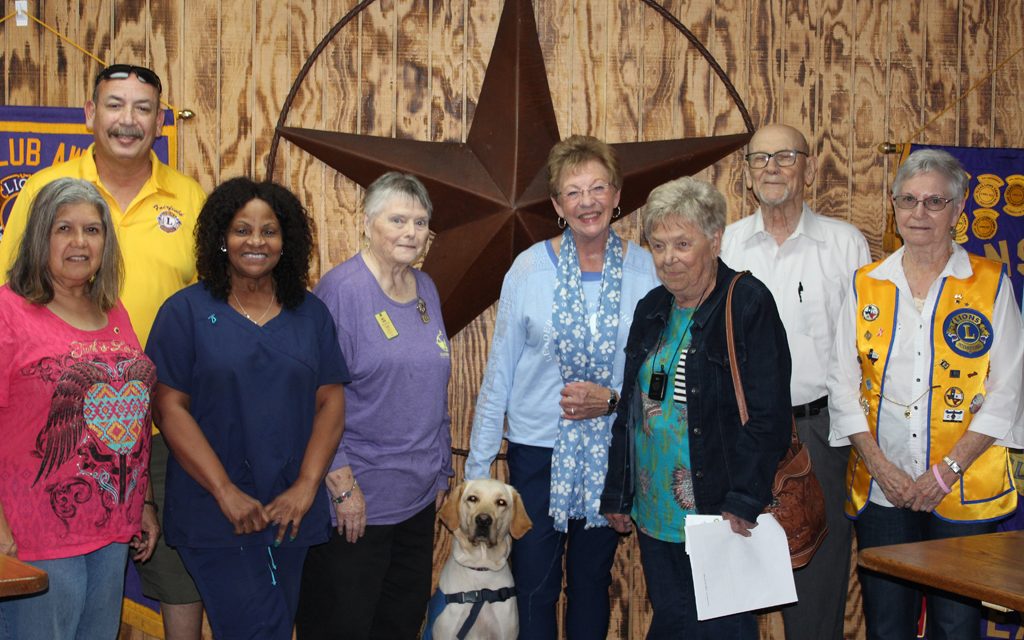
{"type": "Point", "coordinates": [811, 408]}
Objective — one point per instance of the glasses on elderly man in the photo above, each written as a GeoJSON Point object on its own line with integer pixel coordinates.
{"type": "Point", "coordinates": [598, 191]}
{"type": "Point", "coordinates": [122, 71]}
{"type": "Point", "coordinates": [931, 203]}
{"type": "Point", "coordinates": [784, 158]}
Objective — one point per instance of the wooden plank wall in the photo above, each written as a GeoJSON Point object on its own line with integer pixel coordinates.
{"type": "Point", "coordinates": [851, 74]}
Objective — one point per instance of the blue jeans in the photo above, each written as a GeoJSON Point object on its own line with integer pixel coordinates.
{"type": "Point", "coordinates": [83, 601]}
{"type": "Point", "coordinates": [537, 558]}
{"type": "Point", "coordinates": [892, 607]}
{"type": "Point", "coordinates": [670, 588]}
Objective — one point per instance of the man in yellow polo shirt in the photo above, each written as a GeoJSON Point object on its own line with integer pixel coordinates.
{"type": "Point", "coordinates": [154, 210]}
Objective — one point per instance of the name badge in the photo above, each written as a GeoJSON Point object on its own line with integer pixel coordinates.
{"type": "Point", "coordinates": [388, 327]}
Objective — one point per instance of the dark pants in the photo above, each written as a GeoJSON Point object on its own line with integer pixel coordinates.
{"type": "Point", "coordinates": [892, 607]}
{"type": "Point", "coordinates": [670, 588]}
{"type": "Point", "coordinates": [249, 592]}
{"type": "Point", "coordinates": [821, 586]}
{"type": "Point", "coordinates": [537, 558]}
{"type": "Point", "coordinates": [377, 587]}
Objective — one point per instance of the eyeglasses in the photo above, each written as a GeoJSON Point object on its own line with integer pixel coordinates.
{"type": "Point", "coordinates": [122, 71]}
{"type": "Point", "coordinates": [931, 203]}
{"type": "Point", "coordinates": [784, 158]}
{"type": "Point", "coordinates": [596, 192]}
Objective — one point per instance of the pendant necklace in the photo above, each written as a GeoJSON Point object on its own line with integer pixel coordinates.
{"type": "Point", "coordinates": [246, 313]}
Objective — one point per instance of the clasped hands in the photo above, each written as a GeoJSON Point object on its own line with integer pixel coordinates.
{"type": "Point", "coordinates": [249, 515]}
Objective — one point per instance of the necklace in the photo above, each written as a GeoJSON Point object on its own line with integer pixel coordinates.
{"type": "Point", "coordinates": [246, 313]}
{"type": "Point", "coordinates": [907, 407]}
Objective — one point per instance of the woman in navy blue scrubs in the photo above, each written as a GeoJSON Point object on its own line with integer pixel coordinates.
{"type": "Point", "coordinates": [250, 402]}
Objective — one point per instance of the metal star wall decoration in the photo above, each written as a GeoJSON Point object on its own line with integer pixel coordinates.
{"type": "Point", "coordinates": [490, 193]}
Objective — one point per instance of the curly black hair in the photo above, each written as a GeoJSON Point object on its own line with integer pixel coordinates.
{"type": "Point", "coordinates": [291, 275]}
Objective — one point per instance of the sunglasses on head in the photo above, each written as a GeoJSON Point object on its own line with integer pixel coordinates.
{"type": "Point", "coordinates": [122, 71]}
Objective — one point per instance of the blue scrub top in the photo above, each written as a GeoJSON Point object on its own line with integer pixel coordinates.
{"type": "Point", "coordinates": [252, 391]}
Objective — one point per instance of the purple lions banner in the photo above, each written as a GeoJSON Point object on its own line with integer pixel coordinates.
{"type": "Point", "coordinates": [33, 138]}
{"type": "Point", "coordinates": [992, 225]}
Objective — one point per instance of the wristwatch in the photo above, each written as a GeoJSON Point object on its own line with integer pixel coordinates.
{"type": "Point", "coordinates": [954, 467]}
{"type": "Point", "coordinates": [613, 402]}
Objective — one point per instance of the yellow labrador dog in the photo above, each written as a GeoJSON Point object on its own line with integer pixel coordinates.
{"type": "Point", "coordinates": [476, 587]}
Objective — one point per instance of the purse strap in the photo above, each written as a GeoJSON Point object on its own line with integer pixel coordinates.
{"type": "Point", "coordinates": [734, 367]}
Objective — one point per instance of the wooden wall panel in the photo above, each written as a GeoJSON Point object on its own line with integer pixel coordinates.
{"type": "Point", "coordinates": [237, 89]}
{"type": "Point", "coordinates": [977, 51]}
{"type": "Point", "coordinates": [850, 74]}
{"type": "Point", "coordinates": [200, 139]}
{"type": "Point", "coordinates": [1007, 120]}
{"type": "Point", "coordinates": [728, 43]}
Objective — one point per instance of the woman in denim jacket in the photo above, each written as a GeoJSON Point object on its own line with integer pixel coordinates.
{"type": "Point", "coordinates": [678, 445]}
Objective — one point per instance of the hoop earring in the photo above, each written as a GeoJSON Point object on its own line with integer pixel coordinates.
{"type": "Point", "coordinates": [616, 213]}
{"type": "Point", "coordinates": [561, 222]}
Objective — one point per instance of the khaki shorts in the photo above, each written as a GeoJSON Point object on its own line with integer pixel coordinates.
{"type": "Point", "coordinates": [164, 577]}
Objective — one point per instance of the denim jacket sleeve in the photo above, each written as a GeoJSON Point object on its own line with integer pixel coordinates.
{"type": "Point", "coordinates": [765, 368]}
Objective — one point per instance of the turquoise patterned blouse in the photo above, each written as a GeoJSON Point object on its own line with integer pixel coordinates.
{"type": "Point", "coordinates": [664, 489]}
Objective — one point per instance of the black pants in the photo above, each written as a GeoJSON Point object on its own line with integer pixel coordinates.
{"type": "Point", "coordinates": [377, 587]}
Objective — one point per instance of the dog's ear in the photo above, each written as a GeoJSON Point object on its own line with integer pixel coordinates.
{"type": "Point", "coordinates": [521, 522]}
{"type": "Point", "coordinates": [450, 509]}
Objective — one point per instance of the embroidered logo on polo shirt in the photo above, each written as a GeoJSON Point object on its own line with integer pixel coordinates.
{"type": "Point", "coordinates": [968, 333]}
{"type": "Point", "coordinates": [167, 218]}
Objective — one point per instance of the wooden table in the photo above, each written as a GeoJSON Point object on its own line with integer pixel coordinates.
{"type": "Point", "coordinates": [988, 567]}
{"type": "Point", "coordinates": [18, 578]}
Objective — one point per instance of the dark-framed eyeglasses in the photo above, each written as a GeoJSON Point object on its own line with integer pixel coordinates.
{"type": "Point", "coordinates": [598, 191]}
{"type": "Point", "coordinates": [784, 158]}
{"type": "Point", "coordinates": [122, 71]}
{"type": "Point", "coordinates": [931, 203]}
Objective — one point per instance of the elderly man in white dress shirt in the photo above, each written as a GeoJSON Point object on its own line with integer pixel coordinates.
{"type": "Point", "coordinates": [806, 260]}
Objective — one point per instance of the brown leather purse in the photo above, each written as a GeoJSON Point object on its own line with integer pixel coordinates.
{"type": "Point", "coordinates": [797, 500]}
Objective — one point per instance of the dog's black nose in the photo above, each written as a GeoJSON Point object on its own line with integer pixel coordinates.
{"type": "Point", "coordinates": [483, 520]}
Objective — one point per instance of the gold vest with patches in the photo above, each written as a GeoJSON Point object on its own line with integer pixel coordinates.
{"type": "Point", "coordinates": [961, 339]}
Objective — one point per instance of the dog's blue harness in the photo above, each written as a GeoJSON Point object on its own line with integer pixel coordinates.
{"type": "Point", "coordinates": [477, 598]}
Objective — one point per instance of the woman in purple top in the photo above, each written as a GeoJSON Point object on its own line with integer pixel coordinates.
{"type": "Point", "coordinates": [392, 468]}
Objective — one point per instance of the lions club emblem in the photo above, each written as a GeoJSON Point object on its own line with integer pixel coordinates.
{"type": "Point", "coordinates": [968, 333]}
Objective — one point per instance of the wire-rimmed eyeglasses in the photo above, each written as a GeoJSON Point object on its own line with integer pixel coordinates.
{"type": "Point", "coordinates": [598, 191]}
{"type": "Point", "coordinates": [931, 203]}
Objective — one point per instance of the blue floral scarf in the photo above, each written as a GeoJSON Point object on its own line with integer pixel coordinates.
{"type": "Point", "coordinates": [585, 352]}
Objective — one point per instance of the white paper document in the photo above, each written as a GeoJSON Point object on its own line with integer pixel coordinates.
{"type": "Point", "coordinates": [733, 574]}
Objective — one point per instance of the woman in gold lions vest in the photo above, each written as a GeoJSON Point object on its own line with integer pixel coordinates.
{"type": "Point", "coordinates": [925, 382]}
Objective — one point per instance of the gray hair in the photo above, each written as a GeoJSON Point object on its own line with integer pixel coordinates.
{"type": "Point", "coordinates": [30, 276]}
{"type": "Point", "coordinates": [694, 201]}
{"type": "Point", "coordinates": [934, 161]}
{"type": "Point", "coordinates": [394, 184]}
